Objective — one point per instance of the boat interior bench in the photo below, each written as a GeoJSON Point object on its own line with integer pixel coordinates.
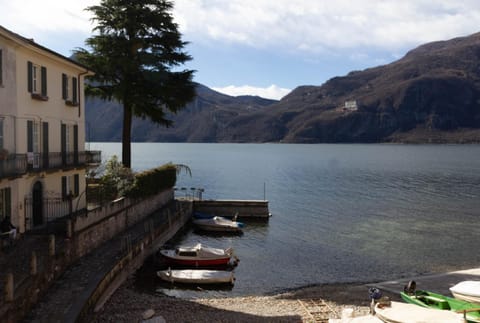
{"type": "Point", "coordinates": [432, 300]}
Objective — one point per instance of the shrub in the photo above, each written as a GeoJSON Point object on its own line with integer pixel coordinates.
{"type": "Point", "coordinates": [153, 181]}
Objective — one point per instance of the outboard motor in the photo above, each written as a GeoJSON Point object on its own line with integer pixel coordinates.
{"type": "Point", "coordinates": [410, 288]}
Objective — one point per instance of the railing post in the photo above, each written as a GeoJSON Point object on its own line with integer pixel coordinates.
{"type": "Point", "coordinates": [9, 288]}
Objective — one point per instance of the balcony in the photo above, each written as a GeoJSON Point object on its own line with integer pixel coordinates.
{"type": "Point", "coordinates": [13, 165]}
{"type": "Point", "coordinates": [18, 164]}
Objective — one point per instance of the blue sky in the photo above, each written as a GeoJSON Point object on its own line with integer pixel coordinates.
{"type": "Point", "coordinates": [269, 47]}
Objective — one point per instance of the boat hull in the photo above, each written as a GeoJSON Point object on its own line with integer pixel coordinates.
{"type": "Point", "coordinates": [437, 301]}
{"type": "Point", "coordinates": [224, 261]}
{"type": "Point", "coordinates": [468, 290]}
{"type": "Point", "coordinates": [402, 312]}
{"type": "Point", "coordinates": [218, 224]}
{"type": "Point", "coordinates": [197, 276]}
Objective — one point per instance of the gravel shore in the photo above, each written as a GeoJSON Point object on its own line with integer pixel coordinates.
{"type": "Point", "coordinates": [309, 304]}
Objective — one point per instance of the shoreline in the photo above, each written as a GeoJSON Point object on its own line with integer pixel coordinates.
{"type": "Point", "coordinates": [315, 303]}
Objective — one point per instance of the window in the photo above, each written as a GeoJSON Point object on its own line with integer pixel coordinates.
{"type": "Point", "coordinates": [37, 81]}
{"type": "Point", "coordinates": [69, 144]}
{"type": "Point", "coordinates": [33, 137]}
{"type": "Point", "coordinates": [69, 90]}
{"type": "Point", "coordinates": [70, 186]}
{"type": "Point", "coordinates": [5, 202]}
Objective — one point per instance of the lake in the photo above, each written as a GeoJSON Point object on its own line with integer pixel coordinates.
{"type": "Point", "coordinates": [340, 213]}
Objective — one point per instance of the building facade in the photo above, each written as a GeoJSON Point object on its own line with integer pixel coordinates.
{"type": "Point", "coordinates": [42, 133]}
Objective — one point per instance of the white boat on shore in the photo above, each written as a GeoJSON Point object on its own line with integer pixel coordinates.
{"type": "Point", "coordinates": [218, 224]}
{"type": "Point", "coordinates": [398, 312]}
{"type": "Point", "coordinates": [197, 276]}
{"type": "Point", "coordinates": [468, 290]}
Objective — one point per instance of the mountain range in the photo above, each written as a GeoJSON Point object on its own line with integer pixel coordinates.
{"type": "Point", "coordinates": [432, 94]}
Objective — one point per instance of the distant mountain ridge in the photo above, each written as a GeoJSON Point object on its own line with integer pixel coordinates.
{"type": "Point", "coordinates": [432, 94]}
{"type": "Point", "coordinates": [206, 119]}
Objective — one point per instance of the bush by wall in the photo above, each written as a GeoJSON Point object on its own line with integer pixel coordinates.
{"type": "Point", "coordinates": [153, 181]}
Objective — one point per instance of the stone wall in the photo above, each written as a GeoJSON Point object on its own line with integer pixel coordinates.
{"type": "Point", "coordinates": [103, 223]}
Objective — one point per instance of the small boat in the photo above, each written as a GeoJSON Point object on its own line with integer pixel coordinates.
{"type": "Point", "coordinates": [468, 290]}
{"type": "Point", "coordinates": [199, 256]}
{"type": "Point", "coordinates": [397, 312]}
{"type": "Point", "coordinates": [200, 215]}
{"type": "Point", "coordinates": [197, 276]}
{"type": "Point", "coordinates": [357, 319]}
{"type": "Point", "coordinates": [218, 224]}
{"type": "Point", "coordinates": [437, 301]}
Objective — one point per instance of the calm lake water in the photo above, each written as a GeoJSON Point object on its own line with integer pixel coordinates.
{"type": "Point", "coordinates": [341, 213]}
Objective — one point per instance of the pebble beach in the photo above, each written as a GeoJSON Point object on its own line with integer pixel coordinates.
{"type": "Point", "coordinates": [309, 304]}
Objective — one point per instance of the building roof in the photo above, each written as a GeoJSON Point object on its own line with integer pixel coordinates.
{"type": "Point", "coordinates": [32, 44]}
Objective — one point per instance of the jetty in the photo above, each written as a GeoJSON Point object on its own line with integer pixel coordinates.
{"type": "Point", "coordinates": [253, 209]}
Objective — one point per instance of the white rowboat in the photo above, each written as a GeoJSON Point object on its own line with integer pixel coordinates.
{"type": "Point", "coordinates": [197, 276]}
{"type": "Point", "coordinates": [218, 224]}
{"type": "Point", "coordinates": [409, 313]}
{"type": "Point", "coordinates": [468, 290]}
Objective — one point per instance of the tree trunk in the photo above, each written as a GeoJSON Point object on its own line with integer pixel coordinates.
{"type": "Point", "coordinates": [126, 136]}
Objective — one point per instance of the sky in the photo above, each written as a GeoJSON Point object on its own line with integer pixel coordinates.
{"type": "Point", "coordinates": [268, 47]}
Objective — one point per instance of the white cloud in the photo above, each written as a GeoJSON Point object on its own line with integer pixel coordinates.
{"type": "Point", "coordinates": [318, 26]}
{"type": "Point", "coordinates": [32, 17]}
{"type": "Point", "coordinates": [272, 92]}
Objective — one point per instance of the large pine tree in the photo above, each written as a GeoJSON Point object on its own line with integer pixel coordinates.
{"type": "Point", "coordinates": [135, 52]}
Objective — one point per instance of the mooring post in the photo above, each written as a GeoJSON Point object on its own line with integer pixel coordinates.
{"type": "Point", "coordinates": [51, 245]}
{"type": "Point", "coordinates": [9, 288]}
{"type": "Point", "coordinates": [33, 264]}
{"type": "Point", "coordinates": [69, 228]}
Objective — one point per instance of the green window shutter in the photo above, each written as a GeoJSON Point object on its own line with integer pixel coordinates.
{"type": "Point", "coordinates": [63, 143]}
{"type": "Point", "coordinates": [30, 136]}
{"type": "Point", "coordinates": [45, 149]}
{"type": "Point", "coordinates": [76, 184]}
{"type": "Point", "coordinates": [74, 90]}
{"type": "Point", "coordinates": [75, 144]}
{"type": "Point", "coordinates": [1, 66]}
{"type": "Point", "coordinates": [44, 81]}
{"type": "Point", "coordinates": [30, 76]}
{"type": "Point", "coordinates": [64, 86]}
{"type": "Point", "coordinates": [64, 187]}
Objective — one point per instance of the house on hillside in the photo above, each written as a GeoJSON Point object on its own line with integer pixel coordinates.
{"type": "Point", "coordinates": [42, 133]}
{"type": "Point", "coordinates": [350, 106]}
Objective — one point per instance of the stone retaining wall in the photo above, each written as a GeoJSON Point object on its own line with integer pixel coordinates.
{"type": "Point", "coordinates": [103, 223]}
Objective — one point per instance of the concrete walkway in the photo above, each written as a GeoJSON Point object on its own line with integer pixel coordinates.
{"type": "Point", "coordinates": [438, 283]}
{"type": "Point", "coordinates": [64, 301]}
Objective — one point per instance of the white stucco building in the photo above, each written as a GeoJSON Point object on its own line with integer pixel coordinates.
{"type": "Point", "coordinates": [42, 133]}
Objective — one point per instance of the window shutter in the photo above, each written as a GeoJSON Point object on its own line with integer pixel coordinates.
{"type": "Point", "coordinates": [45, 148]}
{"type": "Point", "coordinates": [64, 187]}
{"type": "Point", "coordinates": [30, 76]}
{"type": "Point", "coordinates": [64, 86]}
{"type": "Point", "coordinates": [63, 142]}
{"type": "Point", "coordinates": [76, 184]}
{"type": "Point", "coordinates": [1, 67]}
{"type": "Point", "coordinates": [75, 144]}
{"type": "Point", "coordinates": [44, 81]}
{"type": "Point", "coordinates": [30, 136]}
{"type": "Point", "coordinates": [74, 90]}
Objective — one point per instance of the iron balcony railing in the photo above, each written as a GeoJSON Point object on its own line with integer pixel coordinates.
{"type": "Point", "coordinates": [19, 164]}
